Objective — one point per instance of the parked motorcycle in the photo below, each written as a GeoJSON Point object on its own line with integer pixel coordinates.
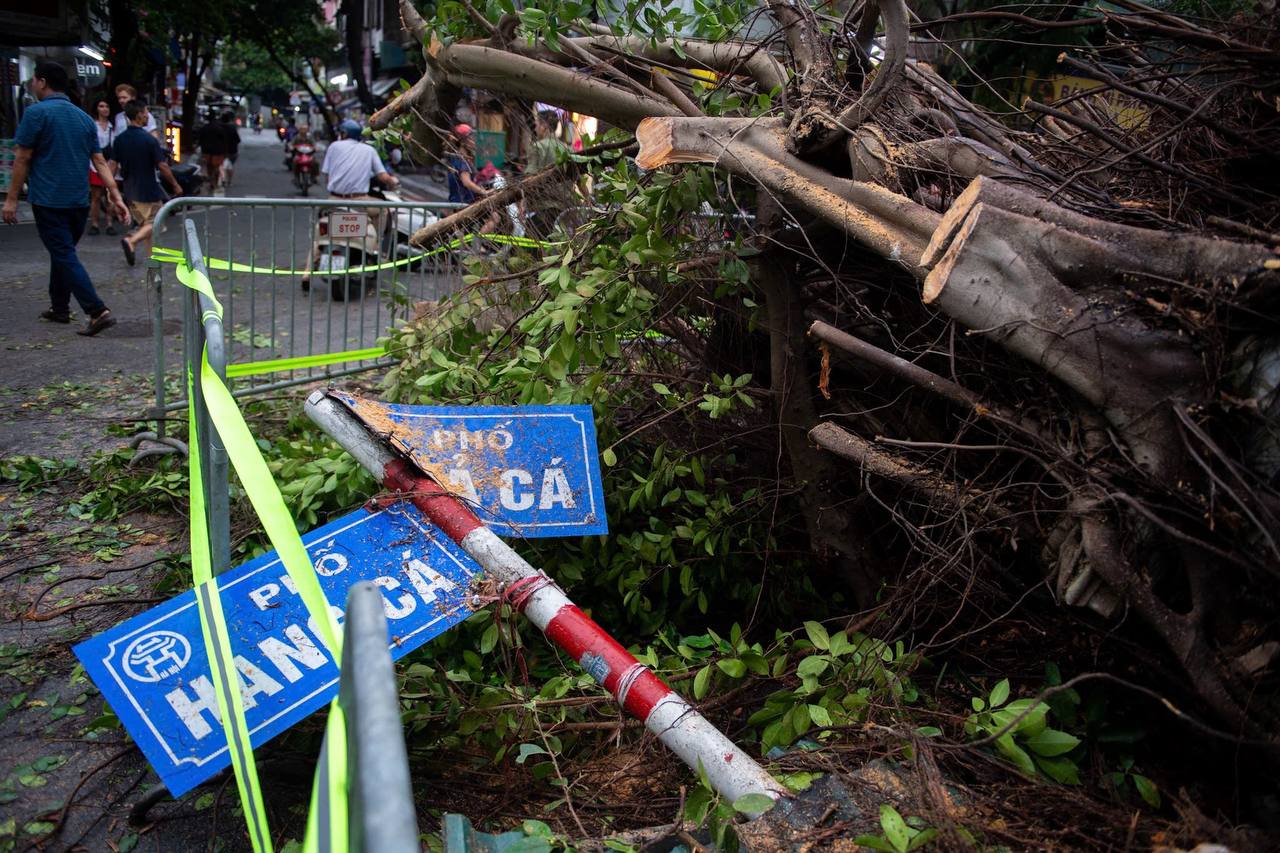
{"type": "Point", "coordinates": [353, 238]}
{"type": "Point", "coordinates": [189, 177]}
{"type": "Point", "coordinates": [305, 166]}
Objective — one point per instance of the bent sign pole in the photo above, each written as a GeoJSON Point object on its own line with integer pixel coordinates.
{"type": "Point", "coordinates": [636, 688]}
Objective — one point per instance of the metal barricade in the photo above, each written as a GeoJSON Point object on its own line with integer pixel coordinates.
{"type": "Point", "coordinates": [380, 794]}
{"type": "Point", "coordinates": [365, 281]}
{"type": "Point", "coordinates": [205, 334]}
{"type": "Point", "coordinates": [380, 808]}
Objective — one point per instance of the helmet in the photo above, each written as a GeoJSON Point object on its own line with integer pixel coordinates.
{"type": "Point", "coordinates": [350, 129]}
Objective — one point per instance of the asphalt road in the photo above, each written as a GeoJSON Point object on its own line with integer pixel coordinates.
{"type": "Point", "coordinates": [45, 368]}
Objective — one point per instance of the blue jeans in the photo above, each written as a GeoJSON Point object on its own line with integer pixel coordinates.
{"type": "Point", "coordinates": [60, 229]}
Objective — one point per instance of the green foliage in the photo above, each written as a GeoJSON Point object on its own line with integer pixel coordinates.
{"type": "Point", "coordinates": [688, 529]}
{"type": "Point", "coordinates": [1127, 778]}
{"type": "Point", "coordinates": [898, 835]}
{"type": "Point", "coordinates": [1022, 734]}
{"type": "Point", "coordinates": [548, 20]}
{"type": "Point", "coordinates": [247, 68]}
{"type": "Point", "coordinates": [840, 676]}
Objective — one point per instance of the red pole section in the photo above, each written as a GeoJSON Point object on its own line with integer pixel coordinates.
{"type": "Point", "coordinates": [637, 688]}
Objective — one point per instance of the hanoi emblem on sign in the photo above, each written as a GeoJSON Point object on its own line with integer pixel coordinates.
{"type": "Point", "coordinates": [156, 656]}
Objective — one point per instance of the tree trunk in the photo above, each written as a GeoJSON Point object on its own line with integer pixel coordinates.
{"type": "Point", "coordinates": [191, 91]}
{"type": "Point", "coordinates": [354, 10]}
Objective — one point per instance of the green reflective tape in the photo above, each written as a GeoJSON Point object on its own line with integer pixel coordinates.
{"type": "Point", "coordinates": [265, 497]}
{"type": "Point", "coordinates": [327, 821]}
{"type": "Point", "coordinates": [226, 680]}
{"type": "Point", "coordinates": [276, 365]}
{"type": "Point", "coordinates": [173, 256]}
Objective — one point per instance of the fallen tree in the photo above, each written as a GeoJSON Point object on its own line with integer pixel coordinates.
{"type": "Point", "coordinates": [1097, 279]}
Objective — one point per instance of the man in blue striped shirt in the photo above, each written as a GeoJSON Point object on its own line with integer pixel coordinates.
{"type": "Point", "coordinates": [56, 141]}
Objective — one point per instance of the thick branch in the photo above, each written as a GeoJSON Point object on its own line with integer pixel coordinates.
{"type": "Point", "coordinates": [483, 67]}
{"type": "Point", "coordinates": [889, 224]}
{"type": "Point", "coordinates": [414, 96]}
{"type": "Point", "coordinates": [814, 64]}
{"type": "Point", "coordinates": [483, 207]}
{"type": "Point", "coordinates": [413, 22]}
{"type": "Point", "coordinates": [727, 57]}
{"type": "Point", "coordinates": [941, 492]}
{"type": "Point", "coordinates": [1001, 276]}
{"type": "Point", "coordinates": [889, 72]}
{"type": "Point", "coordinates": [1164, 254]}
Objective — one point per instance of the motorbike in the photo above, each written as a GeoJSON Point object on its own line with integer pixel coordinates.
{"type": "Point", "coordinates": [305, 166]}
{"type": "Point", "coordinates": [188, 177]}
{"type": "Point", "coordinates": [385, 238]}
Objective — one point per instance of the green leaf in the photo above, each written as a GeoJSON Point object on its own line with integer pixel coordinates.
{"type": "Point", "coordinates": [1016, 754]}
{"type": "Point", "coordinates": [754, 804]}
{"type": "Point", "coordinates": [817, 635]}
{"type": "Point", "coordinates": [820, 716]}
{"type": "Point", "coordinates": [664, 391]}
{"type": "Point", "coordinates": [1051, 743]}
{"type": "Point", "coordinates": [701, 682]}
{"type": "Point", "coordinates": [489, 639]}
{"type": "Point", "coordinates": [875, 842]}
{"type": "Point", "coordinates": [999, 694]}
{"type": "Point", "coordinates": [527, 750]}
{"type": "Point", "coordinates": [929, 731]}
{"type": "Point", "coordinates": [732, 667]}
{"type": "Point", "coordinates": [1147, 790]}
{"type": "Point", "coordinates": [1060, 770]}
{"type": "Point", "coordinates": [799, 781]}
{"type": "Point", "coordinates": [610, 458]}
{"type": "Point", "coordinates": [895, 828]}
{"type": "Point", "coordinates": [813, 665]}
{"type": "Point", "coordinates": [922, 838]}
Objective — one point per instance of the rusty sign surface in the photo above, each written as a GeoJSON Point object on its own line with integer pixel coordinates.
{"type": "Point", "coordinates": [529, 471]}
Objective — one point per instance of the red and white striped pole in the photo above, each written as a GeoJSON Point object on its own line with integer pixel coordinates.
{"type": "Point", "coordinates": [637, 688]}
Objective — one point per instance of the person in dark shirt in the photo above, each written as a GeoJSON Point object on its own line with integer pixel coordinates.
{"type": "Point", "coordinates": [463, 188]}
{"type": "Point", "coordinates": [56, 142]}
{"type": "Point", "coordinates": [233, 146]}
{"type": "Point", "coordinates": [137, 156]}
{"type": "Point", "coordinates": [212, 137]}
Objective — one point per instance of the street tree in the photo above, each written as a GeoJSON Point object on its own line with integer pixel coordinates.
{"type": "Point", "coordinates": [1037, 345]}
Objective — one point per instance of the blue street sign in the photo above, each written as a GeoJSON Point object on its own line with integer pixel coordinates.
{"type": "Point", "coordinates": [154, 672]}
{"type": "Point", "coordinates": [529, 471]}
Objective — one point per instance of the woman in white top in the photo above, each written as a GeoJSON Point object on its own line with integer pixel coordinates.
{"type": "Point", "coordinates": [98, 207]}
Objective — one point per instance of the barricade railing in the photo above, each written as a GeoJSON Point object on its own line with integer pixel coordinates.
{"type": "Point", "coordinates": [363, 283]}
{"type": "Point", "coordinates": [380, 807]}
{"type": "Point", "coordinates": [363, 760]}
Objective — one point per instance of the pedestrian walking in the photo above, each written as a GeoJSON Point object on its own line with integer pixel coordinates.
{"type": "Point", "coordinates": [139, 156]}
{"type": "Point", "coordinates": [55, 142]}
{"type": "Point", "coordinates": [99, 211]}
{"type": "Point", "coordinates": [212, 138]}
{"type": "Point", "coordinates": [232, 134]}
